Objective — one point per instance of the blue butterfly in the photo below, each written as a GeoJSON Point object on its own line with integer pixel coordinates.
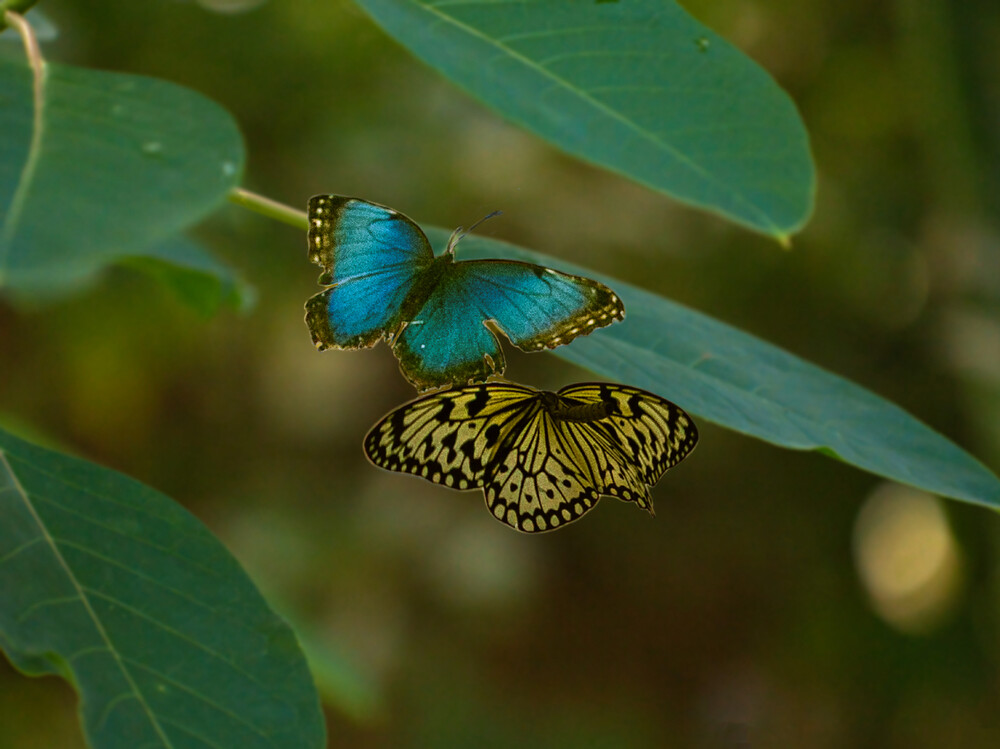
{"type": "Point", "coordinates": [385, 283]}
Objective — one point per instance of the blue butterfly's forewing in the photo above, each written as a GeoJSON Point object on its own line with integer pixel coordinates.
{"type": "Point", "coordinates": [537, 307]}
{"type": "Point", "coordinates": [373, 256]}
{"type": "Point", "coordinates": [448, 342]}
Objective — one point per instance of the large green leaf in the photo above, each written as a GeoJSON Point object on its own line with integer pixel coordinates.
{"type": "Point", "coordinates": [743, 383]}
{"type": "Point", "coordinates": [636, 86]}
{"type": "Point", "coordinates": [108, 166]}
{"type": "Point", "coordinates": [121, 591]}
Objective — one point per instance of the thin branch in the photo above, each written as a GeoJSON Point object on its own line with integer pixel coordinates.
{"type": "Point", "coordinates": [270, 208]}
{"type": "Point", "coordinates": [17, 22]}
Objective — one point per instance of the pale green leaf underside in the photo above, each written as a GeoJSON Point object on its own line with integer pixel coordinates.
{"type": "Point", "coordinates": [743, 383]}
{"type": "Point", "coordinates": [117, 164]}
{"type": "Point", "coordinates": [120, 590]}
{"type": "Point", "coordinates": [196, 277]}
{"type": "Point", "coordinates": [638, 86]}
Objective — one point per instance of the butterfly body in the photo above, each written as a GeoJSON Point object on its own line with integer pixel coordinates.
{"type": "Point", "coordinates": [565, 409]}
{"type": "Point", "coordinates": [543, 459]}
{"type": "Point", "coordinates": [384, 282]}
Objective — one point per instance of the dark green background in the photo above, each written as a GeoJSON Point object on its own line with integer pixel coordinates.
{"type": "Point", "coordinates": [737, 614]}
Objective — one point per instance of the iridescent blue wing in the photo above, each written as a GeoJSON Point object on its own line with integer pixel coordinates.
{"type": "Point", "coordinates": [372, 256]}
{"type": "Point", "coordinates": [447, 341]}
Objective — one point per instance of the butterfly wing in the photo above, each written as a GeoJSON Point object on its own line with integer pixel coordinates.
{"type": "Point", "coordinates": [449, 437]}
{"type": "Point", "coordinates": [650, 432]}
{"type": "Point", "coordinates": [448, 341]}
{"type": "Point", "coordinates": [537, 307]}
{"type": "Point", "coordinates": [537, 480]}
{"type": "Point", "coordinates": [554, 470]}
{"type": "Point", "coordinates": [372, 256]}
{"type": "Point", "coordinates": [540, 466]}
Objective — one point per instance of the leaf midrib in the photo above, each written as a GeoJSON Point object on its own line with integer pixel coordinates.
{"type": "Point", "coordinates": [39, 76]}
{"type": "Point", "coordinates": [601, 107]}
{"type": "Point", "coordinates": [98, 625]}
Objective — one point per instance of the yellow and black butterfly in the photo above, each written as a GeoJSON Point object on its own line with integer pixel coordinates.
{"type": "Point", "coordinates": [543, 459]}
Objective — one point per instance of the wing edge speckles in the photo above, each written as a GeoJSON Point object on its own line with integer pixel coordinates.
{"type": "Point", "coordinates": [605, 309]}
{"type": "Point", "coordinates": [323, 215]}
{"type": "Point", "coordinates": [394, 281]}
{"type": "Point", "coordinates": [324, 337]}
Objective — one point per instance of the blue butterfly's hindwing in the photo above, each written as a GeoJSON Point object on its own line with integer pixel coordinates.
{"type": "Point", "coordinates": [535, 307]}
{"type": "Point", "coordinates": [386, 283]}
{"type": "Point", "coordinates": [542, 459]}
{"type": "Point", "coordinates": [447, 342]}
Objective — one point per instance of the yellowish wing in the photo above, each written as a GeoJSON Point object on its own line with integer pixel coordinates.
{"type": "Point", "coordinates": [449, 437]}
{"type": "Point", "coordinates": [651, 432]}
{"type": "Point", "coordinates": [536, 481]}
{"type": "Point", "coordinates": [610, 470]}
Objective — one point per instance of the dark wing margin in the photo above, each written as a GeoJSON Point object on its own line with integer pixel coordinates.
{"type": "Point", "coordinates": [536, 307]}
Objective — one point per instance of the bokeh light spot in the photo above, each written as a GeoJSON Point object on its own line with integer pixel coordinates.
{"type": "Point", "coordinates": [907, 558]}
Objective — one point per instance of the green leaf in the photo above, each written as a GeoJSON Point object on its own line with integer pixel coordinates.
{"type": "Point", "coordinates": [195, 277]}
{"type": "Point", "coordinates": [121, 591]}
{"type": "Point", "coordinates": [639, 87]}
{"type": "Point", "coordinates": [743, 383]}
{"type": "Point", "coordinates": [109, 166]}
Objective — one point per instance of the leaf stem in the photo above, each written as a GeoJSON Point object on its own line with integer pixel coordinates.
{"type": "Point", "coordinates": [17, 22]}
{"type": "Point", "coordinates": [37, 63]}
{"type": "Point", "coordinates": [15, 7]}
{"type": "Point", "coordinates": [270, 208]}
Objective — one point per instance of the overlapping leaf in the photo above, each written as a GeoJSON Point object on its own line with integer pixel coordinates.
{"type": "Point", "coordinates": [118, 589]}
{"type": "Point", "coordinates": [106, 167]}
{"type": "Point", "coordinates": [637, 86]}
{"type": "Point", "coordinates": [740, 382]}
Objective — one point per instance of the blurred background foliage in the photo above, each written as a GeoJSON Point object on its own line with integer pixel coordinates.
{"type": "Point", "coordinates": [778, 599]}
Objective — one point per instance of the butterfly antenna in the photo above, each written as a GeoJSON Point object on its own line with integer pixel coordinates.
{"type": "Point", "coordinates": [460, 232]}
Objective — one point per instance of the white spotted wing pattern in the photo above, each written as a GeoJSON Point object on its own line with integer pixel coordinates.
{"type": "Point", "coordinates": [542, 459]}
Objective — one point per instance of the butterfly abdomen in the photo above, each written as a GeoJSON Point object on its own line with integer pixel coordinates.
{"type": "Point", "coordinates": [564, 409]}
